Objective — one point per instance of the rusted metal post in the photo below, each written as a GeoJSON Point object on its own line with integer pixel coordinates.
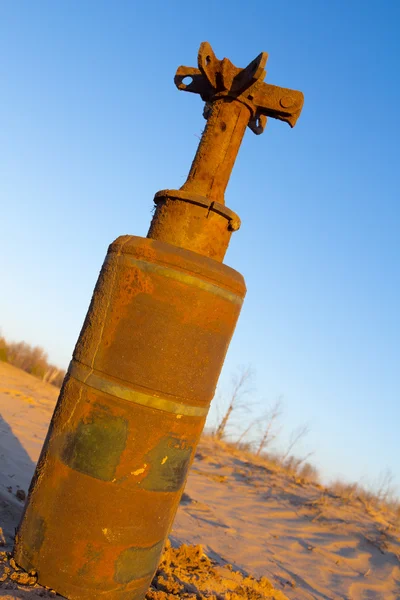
{"type": "Point", "coordinates": [144, 370]}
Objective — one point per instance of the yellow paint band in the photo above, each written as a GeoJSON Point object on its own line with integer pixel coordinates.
{"type": "Point", "coordinates": [87, 376]}
{"type": "Point", "coordinates": [183, 278]}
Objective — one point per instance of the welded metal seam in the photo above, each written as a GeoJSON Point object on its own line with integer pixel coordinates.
{"type": "Point", "coordinates": [86, 376]}
{"type": "Point", "coordinates": [183, 278]}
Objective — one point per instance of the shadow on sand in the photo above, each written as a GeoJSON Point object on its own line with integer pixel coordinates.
{"type": "Point", "coordinates": [16, 470]}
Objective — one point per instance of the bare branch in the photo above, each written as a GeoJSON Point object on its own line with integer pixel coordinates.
{"type": "Point", "coordinates": [385, 487]}
{"type": "Point", "coordinates": [272, 415]}
{"type": "Point", "coordinates": [240, 388]}
{"type": "Point", "coordinates": [295, 437]}
{"type": "Point", "coordinates": [246, 431]}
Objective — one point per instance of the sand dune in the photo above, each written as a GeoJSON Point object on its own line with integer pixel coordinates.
{"type": "Point", "coordinates": [308, 542]}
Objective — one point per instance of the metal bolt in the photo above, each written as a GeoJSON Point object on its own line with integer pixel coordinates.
{"type": "Point", "coordinates": [286, 101]}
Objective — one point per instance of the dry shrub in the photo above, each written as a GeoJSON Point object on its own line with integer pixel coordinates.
{"type": "Point", "coordinates": [379, 496]}
{"type": "Point", "coordinates": [32, 359]}
{"type": "Point", "coordinates": [345, 490]}
{"type": "Point", "coordinates": [309, 472]}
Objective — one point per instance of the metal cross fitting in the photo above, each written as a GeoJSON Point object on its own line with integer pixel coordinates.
{"type": "Point", "coordinates": [221, 79]}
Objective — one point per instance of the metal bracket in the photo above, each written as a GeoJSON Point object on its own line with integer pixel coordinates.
{"type": "Point", "coordinates": [215, 79]}
{"type": "Point", "coordinates": [210, 205]}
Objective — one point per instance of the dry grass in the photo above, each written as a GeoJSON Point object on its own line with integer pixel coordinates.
{"type": "Point", "coordinates": [373, 500]}
{"type": "Point", "coordinates": [380, 497]}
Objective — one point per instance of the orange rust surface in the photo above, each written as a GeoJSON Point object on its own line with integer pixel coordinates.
{"type": "Point", "coordinates": [218, 148]}
{"type": "Point", "coordinates": [112, 471]}
{"type": "Point", "coordinates": [88, 522]}
{"type": "Point", "coordinates": [201, 229]}
{"type": "Point", "coordinates": [174, 322]}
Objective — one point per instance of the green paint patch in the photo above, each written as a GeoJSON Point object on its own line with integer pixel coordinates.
{"type": "Point", "coordinates": [92, 556]}
{"type": "Point", "coordinates": [135, 563]}
{"type": "Point", "coordinates": [32, 534]}
{"type": "Point", "coordinates": [169, 462]}
{"type": "Point", "coordinates": [95, 447]}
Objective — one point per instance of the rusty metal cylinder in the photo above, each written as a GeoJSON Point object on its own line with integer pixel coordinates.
{"type": "Point", "coordinates": [144, 370]}
{"type": "Point", "coordinates": [226, 123]}
{"type": "Point", "coordinates": [129, 416]}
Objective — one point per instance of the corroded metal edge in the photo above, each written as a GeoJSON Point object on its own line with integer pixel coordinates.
{"type": "Point", "coordinates": [102, 383]}
{"type": "Point", "coordinates": [146, 265]}
{"type": "Point", "coordinates": [180, 259]}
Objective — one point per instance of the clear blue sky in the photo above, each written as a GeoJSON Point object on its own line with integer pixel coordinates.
{"type": "Point", "coordinates": [91, 126]}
